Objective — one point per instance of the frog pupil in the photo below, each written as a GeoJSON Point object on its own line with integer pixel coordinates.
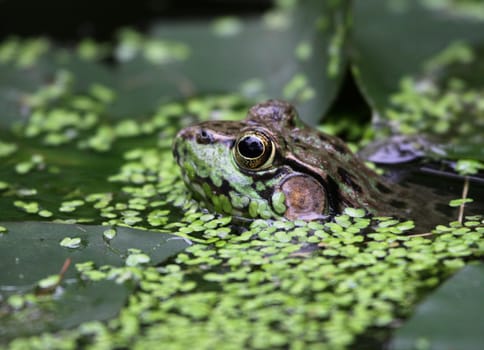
{"type": "Point", "coordinates": [251, 147]}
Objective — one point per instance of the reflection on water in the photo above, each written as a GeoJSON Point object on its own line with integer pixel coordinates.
{"type": "Point", "coordinates": [438, 186]}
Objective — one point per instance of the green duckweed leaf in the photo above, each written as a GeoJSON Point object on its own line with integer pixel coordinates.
{"type": "Point", "coordinates": [450, 318]}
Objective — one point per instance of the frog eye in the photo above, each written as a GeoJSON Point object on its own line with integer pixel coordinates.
{"type": "Point", "coordinates": [254, 151]}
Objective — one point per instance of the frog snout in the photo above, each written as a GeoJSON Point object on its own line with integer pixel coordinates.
{"type": "Point", "coordinates": [195, 133]}
{"type": "Point", "coordinates": [180, 141]}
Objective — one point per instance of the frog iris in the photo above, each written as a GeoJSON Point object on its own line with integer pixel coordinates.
{"type": "Point", "coordinates": [254, 150]}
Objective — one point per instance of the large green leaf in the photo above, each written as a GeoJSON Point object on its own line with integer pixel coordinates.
{"type": "Point", "coordinates": [77, 303]}
{"type": "Point", "coordinates": [300, 60]}
{"type": "Point", "coordinates": [421, 68]}
{"type": "Point", "coordinates": [293, 52]}
{"type": "Point", "coordinates": [450, 318]}
{"type": "Point", "coordinates": [390, 42]}
{"type": "Point", "coordinates": [15, 84]}
{"type": "Point", "coordinates": [30, 251]}
{"type": "Point", "coordinates": [68, 171]}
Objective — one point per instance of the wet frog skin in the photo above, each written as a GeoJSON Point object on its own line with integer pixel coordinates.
{"type": "Point", "coordinates": [272, 165]}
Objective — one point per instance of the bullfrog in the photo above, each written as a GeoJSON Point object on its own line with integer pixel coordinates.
{"type": "Point", "coordinates": [273, 165]}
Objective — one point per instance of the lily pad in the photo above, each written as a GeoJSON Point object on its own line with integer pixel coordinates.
{"type": "Point", "coordinates": [30, 251]}
{"type": "Point", "coordinates": [420, 67]}
{"type": "Point", "coordinates": [395, 39]}
{"type": "Point", "coordinates": [450, 318]}
{"type": "Point", "coordinates": [77, 303]}
{"type": "Point", "coordinates": [294, 51]}
{"type": "Point", "coordinates": [299, 57]}
{"type": "Point", "coordinates": [60, 173]}
{"type": "Point", "coordinates": [15, 84]}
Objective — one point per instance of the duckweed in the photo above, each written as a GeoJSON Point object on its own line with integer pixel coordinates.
{"type": "Point", "coordinates": [7, 149]}
{"type": "Point", "coordinates": [23, 54]}
{"type": "Point", "coordinates": [459, 202]}
{"type": "Point", "coordinates": [71, 242]}
{"type": "Point", "coordinates": [441, 109]}
{"type": "Point", "coordinates": [270, 287]}
{"type": "Point", "coordinates": [354, 213]}
{"type": "Point", "coordinates": [4, 185]}
{"type": "Point", "coordinates": [70, 206]}
{"type": "Point", "coordinates": [298, 88]}
{"type": "Point", "coordinates": [109, 234]}
{"type": "Point", "coordinates": [136, 259]}
{"type": "Point", "coordinates": [45, 213]}
{"type": "Point", "coordinates": [468, 166]}
{"type": "Point", "coordinates": [29, 207]}
{"type": "Point", "coordinates": [227, 26]}
{"type": "Point", "coordinates": [48, 282]}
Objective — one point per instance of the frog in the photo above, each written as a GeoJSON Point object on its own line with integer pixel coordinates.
{"type": "Point", "coordinates": [272, 165]}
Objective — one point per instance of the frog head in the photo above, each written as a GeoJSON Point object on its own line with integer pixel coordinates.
{"type": "Point", "coordinates": [272, 165]}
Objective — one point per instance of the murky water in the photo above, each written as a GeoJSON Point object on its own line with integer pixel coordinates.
{"type": "Point", "coordinates": [438, 185]}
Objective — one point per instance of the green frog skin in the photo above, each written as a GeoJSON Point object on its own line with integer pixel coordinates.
{"type": "Point", "coordinates": [272, 165]}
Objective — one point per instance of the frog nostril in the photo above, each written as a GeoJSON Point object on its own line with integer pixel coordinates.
{"type": "Point", "coordinates": [204, 137]}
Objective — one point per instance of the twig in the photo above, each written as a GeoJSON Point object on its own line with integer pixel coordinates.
{"type": "Point", "coordinates": [465, 191]}
{"type": "Point", "coordinates": [63, 270]}
{"type": "Point", "coordinates": [50, 289]}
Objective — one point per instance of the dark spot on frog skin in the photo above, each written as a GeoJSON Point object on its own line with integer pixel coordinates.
{"type": "Point", "coordinates": [225, 188]}
{"type": "Point", "coordinates": [334, 198]}
{"type": "Point", "coordinates": [398, 204]}
{"type": "Point", "coordinates": [232, 130]}
{"type": "Point", "coordinates": [348, 179]}
{"type": "Point", "coordinates": [267, 175]}
{"type": "Point", "coordinates": [176, 152]}
{"type": "Point", "coordinates": [341, 149]}
{"type": "Point", "coordinates": [216, 124]}
{"type": "Point", "coordinates": [383, 188]}
{"type": "Point", "coordinates": [337, 146]}
{"type": "Point", "coordinates": [290, 121]}
{"type": "Point", "coordinates": [323, 138]}
{"type": "Point", "coordinates": [295, 140]}
{"type": "Point", "coordinates": [176, 155]}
